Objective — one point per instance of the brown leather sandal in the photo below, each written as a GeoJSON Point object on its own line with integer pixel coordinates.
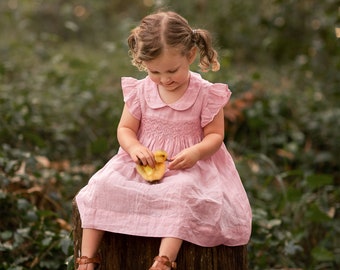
{"type": "Point", "coordinates": [164, 263]}
{"type": "Point", "coordinates": [86, 260]}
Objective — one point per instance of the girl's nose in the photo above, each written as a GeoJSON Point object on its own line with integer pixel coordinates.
{"type": "Point", "coordinates": [165, 79]}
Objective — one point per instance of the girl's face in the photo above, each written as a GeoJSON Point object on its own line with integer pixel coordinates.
{"type": "Point", "coordinates": [170, 70]}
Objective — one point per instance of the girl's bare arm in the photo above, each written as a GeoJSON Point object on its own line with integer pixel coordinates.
{"type": "Point", "coordinates": [127, 138]}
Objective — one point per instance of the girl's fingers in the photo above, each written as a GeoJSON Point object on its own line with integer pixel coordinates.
{"type": "Point", "coordinates": [145, 158]}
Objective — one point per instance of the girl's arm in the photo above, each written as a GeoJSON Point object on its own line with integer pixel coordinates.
{"type": "Point", "coordinates": [213, 138]}
{"type": "Point", "coordinates": [127, 137]}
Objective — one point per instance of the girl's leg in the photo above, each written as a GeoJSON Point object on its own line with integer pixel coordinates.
{"type": "Point", "coordinates": [169, 247]}
{"type": "Point", "coordinates": [90, 243]}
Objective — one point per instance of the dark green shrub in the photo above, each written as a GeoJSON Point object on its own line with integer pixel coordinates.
{"type": "Point", "coordinates": [35, 232]}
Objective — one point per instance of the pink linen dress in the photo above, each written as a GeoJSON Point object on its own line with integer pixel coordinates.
{"type": "Point", "coordinates": [205, 205]}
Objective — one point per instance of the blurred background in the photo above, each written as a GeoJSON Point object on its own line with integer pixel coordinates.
{"type": "Point", "coordinates": [60, 102]}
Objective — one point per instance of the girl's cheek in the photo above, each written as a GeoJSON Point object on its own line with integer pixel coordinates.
{"type": "Point", "coordinates": [155, 79]}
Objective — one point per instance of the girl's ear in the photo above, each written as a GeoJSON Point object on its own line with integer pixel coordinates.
{"type": "Point", "coordinates": [192, 55]}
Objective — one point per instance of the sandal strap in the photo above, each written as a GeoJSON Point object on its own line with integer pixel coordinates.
{"type": "Point", "coordinates": [87, 260]}
{"type": "Point", "coordinates": [166, 261]}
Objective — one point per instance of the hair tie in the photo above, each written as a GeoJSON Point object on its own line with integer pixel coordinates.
{"type": "Point", "coordinates": [194, 35]}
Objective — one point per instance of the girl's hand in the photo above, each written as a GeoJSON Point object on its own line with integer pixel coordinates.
{"type": "Point", "coordinates": [184, 159]}
{"type": "Point", "coordinates": [212, 141]}
{"type": "Point", "coordinates": [142, 156]}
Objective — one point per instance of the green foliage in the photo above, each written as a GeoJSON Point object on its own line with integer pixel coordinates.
{"type": "Point", "coordinates": [287, 156]}
{"type": "Point", "coordinates": [60, 102]}
{"type": "Point", "coordinates": [294, 216]}
{"type": "Point", "coordinates": [34, 233]}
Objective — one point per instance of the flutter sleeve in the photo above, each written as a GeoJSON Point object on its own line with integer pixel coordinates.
{"type": "Point", "coordinates": [131, 89]}
{"type": "Point", "coordinates": [218, 95]}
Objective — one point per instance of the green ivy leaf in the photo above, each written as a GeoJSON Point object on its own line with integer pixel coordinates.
{"type": "Point", "coordinates": [315, 214]}
{"type": "Point", "coordinates": [65, 244]}
{"type": "Point", "coordinates": [6, 235]}
{"type": "Point", "coordinates": [46, 241]}
{"type": "Point", "coordinates": [319, 180]}
{"type": "Point", "coordinates": [292, 248]}
{"type": "Point", "coordinates": [322, 254]}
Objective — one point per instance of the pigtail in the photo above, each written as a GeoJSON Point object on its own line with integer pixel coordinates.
{"type": "Point", "coordinates": [208, 56]}
{"type": "Point", "coordinates": [133, 49]}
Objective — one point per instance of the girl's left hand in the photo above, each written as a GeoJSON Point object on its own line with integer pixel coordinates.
{"type": "Point", "coordinates": [184, 159]}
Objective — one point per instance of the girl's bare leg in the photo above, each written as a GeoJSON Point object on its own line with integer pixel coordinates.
{"type": "Point", "coordinates": [169, 247]}
{"type": "Point", "coordinates": [89, 246]}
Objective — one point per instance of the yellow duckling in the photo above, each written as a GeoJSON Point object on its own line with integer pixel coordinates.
{"type": "Point", "coordinates": [154, 174]}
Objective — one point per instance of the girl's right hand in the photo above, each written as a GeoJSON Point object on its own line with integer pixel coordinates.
{"type": "Point", "coordinates": [142, 156]}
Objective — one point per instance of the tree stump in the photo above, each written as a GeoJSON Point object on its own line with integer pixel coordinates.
{"type": "Point", "coordinates": [127, 252]}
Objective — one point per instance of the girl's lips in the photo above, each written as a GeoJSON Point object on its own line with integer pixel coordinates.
{"type": "Point", "coordinates": [169, 84]}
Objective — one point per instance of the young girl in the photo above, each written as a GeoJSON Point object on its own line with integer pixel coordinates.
{"type": "Point", "coordinates": [200, 199]}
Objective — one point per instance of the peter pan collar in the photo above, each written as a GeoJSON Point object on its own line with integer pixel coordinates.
{"type": "Point", "coordinates": [188, 99]}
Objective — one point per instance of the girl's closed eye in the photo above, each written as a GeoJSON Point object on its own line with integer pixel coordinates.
{"type": "Point", "coordinates": [173, 71]}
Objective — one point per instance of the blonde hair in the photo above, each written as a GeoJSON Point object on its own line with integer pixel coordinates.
{"type": "Point", "coordinates": [159, 30]}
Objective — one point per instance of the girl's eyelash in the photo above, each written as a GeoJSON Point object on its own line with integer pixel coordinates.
{"type": "Point", "coordinates": [170, 71]}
